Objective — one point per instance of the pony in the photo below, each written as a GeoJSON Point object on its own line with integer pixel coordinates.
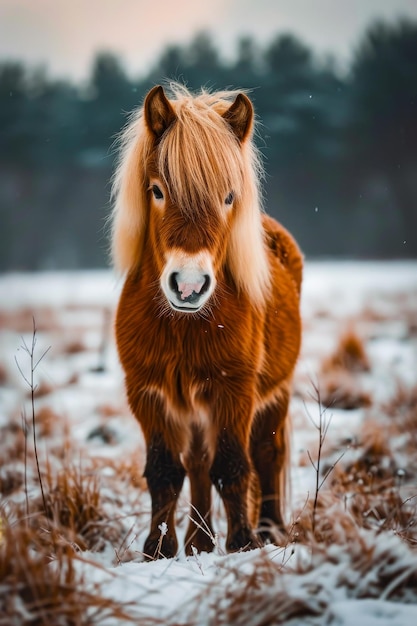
{"type": "Point", "coordinates": [208, 324]}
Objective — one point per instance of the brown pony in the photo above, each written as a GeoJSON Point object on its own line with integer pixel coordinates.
{"type": "Point", "coordinates": [208, 325]}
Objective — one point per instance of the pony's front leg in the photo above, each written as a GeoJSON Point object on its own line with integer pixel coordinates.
{"type": "Point", "coordinates": [200, 534]}
{"type": "Point", "coordinates": [230, 470]}
{"type": "Point", "coordinates": [270, 456]}
{"type": "Point", "coordinates": [164, 473]}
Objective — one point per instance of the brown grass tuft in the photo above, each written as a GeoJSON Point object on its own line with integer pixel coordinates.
{"type": "Point", "coordinates": [3, 374]}
{"type": "Point", "coordinates": [350, 355]}
{"type": "Point", "coordinates": [401, 412]}
{"type": "Point", "coordinates": [341, 390]}
{"type": "Point", "coordinates": [403, 406]}
{"type": "Point", "coordinates": [75, 346]}
{"type": "Point", "coordinates": [42, 389]}
{"type": "Point", "coordinates": [108, 410]}
{"type": "Point", "coordinates": [74, 506]}
{"type": "Point", "coordinates": [41, 590]}
{"type": "Point", "coordinates": [340, 386]}
{"type": "Point", "coordinates": [131, 470]}
{"type": "Point", "coordinates": [411, 321]}
{"type": "Point", "coordinates": [11, 479]}
{"type": "Point", "coordinates": [21, 321]}
{"type": "Point", "coordinates": [334, 523]}
{"type": "Point", "coordinates": [256, 595]}
{"type": "Point", "coordinates": [46, 421]}
{"type": "Point", "coordinates": [375, 445]}
{"type": "Point", "coordinates": [12, 442]}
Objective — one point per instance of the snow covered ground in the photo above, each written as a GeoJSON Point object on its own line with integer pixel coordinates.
{"type": "Point", "coordinates": [357, 565]}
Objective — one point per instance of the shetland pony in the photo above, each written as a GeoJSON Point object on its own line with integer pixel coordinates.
{"type": "Point", "coordinates": [208, 325]}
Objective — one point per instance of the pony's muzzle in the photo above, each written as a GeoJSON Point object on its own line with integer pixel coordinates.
{"type": "Point", "coordinates": [188, 282]}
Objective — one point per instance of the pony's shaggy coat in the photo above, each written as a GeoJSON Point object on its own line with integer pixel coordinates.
{"type": "Point", "coordinates": [210, 386]}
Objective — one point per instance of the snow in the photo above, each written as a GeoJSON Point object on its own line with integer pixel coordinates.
{"type": "Point", "coordinates": [195, 588]}
{"type": "Point", "coordinates": [200, 589]}
{"type": "Point", "coordinates": [59, 289]}
{"type": "Point", "coordinates": [372, 613]}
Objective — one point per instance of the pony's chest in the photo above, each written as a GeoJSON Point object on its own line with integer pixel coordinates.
{"type": "Point", "coordinates": [191, 366]}
{"type": "Point", "coordinates": [188, 360]}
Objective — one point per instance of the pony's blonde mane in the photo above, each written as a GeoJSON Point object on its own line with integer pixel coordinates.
{"type": "Point", "coordinates": [200, 160]}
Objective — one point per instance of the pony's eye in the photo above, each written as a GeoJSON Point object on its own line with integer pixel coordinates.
{"type": "Point", "coordinates": [157, 193]}
{"type": "Point", "coordinates": [230, 198]}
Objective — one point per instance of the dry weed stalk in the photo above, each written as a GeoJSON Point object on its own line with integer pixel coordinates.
{"type": "Point", "coordinates": [29, 380]}
{"type": "Point", "coordinates": [375, 492]}
{"type": "Point", "coordinates": [25, 477]}
{"type": "Point", "coordinates": [122, 553]}
{"type": "Point", "coordinates": [201, 524]}
{"type": "Point", "coordinates": [322, 428]}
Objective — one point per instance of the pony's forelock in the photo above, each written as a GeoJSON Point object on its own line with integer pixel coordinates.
{"type": "Point", "coordinates": [200, 161]}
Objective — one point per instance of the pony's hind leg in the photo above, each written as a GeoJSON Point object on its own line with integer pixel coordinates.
{"type": "Point", "coordinates": [200, 534]}
{"type": "Point", "coordinates": [231, 468]}
{"type": "Point", "coordinates": [230, 473]}
{"type": "Point", "coordinates": [270, 454]}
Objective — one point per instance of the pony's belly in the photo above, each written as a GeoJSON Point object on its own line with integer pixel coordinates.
{"type": "Point", "coordinates": [180, 417]}
{"type": "Point", "coordinates": [186, 409]}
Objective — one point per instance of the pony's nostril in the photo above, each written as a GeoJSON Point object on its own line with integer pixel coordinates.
{"type": "Point", "coordinates": [206, 284]}
{"type": "Point", "coordinates": [173, 282]}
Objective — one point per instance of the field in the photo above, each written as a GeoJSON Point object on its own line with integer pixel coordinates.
{"type": "Point", "coordinates": [74, 508]}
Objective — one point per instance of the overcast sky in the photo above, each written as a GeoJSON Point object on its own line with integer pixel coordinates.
{"type": "Point", "coordinates": [65, 34]}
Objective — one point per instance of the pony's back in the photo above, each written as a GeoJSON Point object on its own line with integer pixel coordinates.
{"type": "Point", "coordinates": [284, 247]}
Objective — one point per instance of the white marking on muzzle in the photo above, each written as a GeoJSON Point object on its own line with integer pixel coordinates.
{"type": "Point", "coordinates": [187, 280]}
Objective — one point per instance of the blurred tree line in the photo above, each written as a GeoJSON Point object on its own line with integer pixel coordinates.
{"type": "Point", "coordinates": [339, 150]}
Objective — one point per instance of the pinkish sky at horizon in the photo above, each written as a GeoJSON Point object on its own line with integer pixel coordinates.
{"type": "Point", "coordinates": [64, 35]}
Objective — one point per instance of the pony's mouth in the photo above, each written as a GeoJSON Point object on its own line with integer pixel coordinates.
{"type": "Point", "coordinates": [185, 309]}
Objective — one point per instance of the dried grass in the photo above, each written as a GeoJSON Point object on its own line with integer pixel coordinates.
{"type": "Point", "coordinates": [4, 375]}
{"type": "Point", "coordinates": [364, 515]}
{"type": "Point", "coordinates": [74, 346]}
{"type": "Point", "coordinates": [11, 479]}
{"type": "Point", "coordinates": [255, 592]}
{"type": "Point", "coordinates": [12, 442]}
{"type": "Point", "coordinates": [21, 320]}
{"type": "Point", "coordinates": [277, 587]}
{"type": "Point", "coordinates": [349, 355]}
{"type": "Point", "coordinates": [38, 589]}
{"type": "Point", "coordinates": [43, 389]}
{"type": "Point", "coordinates": [403, 407]}
{"type": "Point", "coordinates": [341, 390]}
{"type": "Point", "coordinates": [47, 421]}
{"type": "Point", "coordinates": [130, 470]}
{"type": "Point", "coordinates": [411, 321]}
{"type": "Point", "coordinates": [340, 384]}
{"type": "Point", "coordinates": [75, 507]}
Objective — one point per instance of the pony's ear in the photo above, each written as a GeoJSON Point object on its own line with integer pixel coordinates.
{"type": "Point", "coordinates": [240, 116]}
{"type": "Point", "coordinates": [158, 111]}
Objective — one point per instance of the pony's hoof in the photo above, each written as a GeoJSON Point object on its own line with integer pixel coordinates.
{"type": "Point", "coordinates": [160, 549]}
{"type": "Point", "coordinates": [200, 542]}
{"type": "Point", "coordinates": [242, 541]}
{"type": "Point", "coordinates": [272, 533]}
